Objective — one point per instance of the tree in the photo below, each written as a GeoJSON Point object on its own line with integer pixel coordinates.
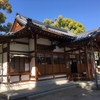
{"type": "Point", "coordinates": [4, 5]}
{"type": "Point", "coordinates": [67, 24]}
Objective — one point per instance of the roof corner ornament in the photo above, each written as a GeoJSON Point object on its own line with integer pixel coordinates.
{"type": "Point", "coordinates": [17, 14]}
{"type": "Point", "coordinates": [29, 21]}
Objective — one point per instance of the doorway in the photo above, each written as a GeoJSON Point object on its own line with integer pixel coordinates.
{"type": "Point", "coordinates": [73, 66]}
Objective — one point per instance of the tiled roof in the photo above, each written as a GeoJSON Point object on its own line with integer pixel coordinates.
{"type": "Point", "coordinates": [23, 20]}
{"type": "Point", "coordinates": [75, 38]}
{"type": "Point", "coordinates": [87, 35]}
{"type": "Point", "coordinates": [83, 37]}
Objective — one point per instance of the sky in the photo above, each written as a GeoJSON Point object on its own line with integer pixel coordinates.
{"type": "Point", "coordinates": [86, 12]}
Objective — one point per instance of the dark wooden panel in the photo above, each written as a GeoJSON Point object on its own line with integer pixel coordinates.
{"type": "Point", "coordinates": [17, 64]}
{"type": "Point", "coordinates": [12, 65]}
{"type": "Point", "coordinates": [62, 68]}
{"type": "Point", "coordinates": [22, 65]}
{"type": "Point", "coordinates": [56, 68]}
{"type": "Point", "coordinates": [41, 69]}
{"type": "Point", "coordinates": [48, 69]}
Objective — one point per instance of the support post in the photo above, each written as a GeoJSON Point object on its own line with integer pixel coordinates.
{"type": "Point", "coordinates": [93, 62]}
{"type": "Point", "coordinates": [86, 62]}
{"type": "Point", "coordinates": [35, 45]}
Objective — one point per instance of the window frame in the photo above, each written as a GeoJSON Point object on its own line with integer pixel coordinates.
{"type": "Point", "coordinates": [14, 62]}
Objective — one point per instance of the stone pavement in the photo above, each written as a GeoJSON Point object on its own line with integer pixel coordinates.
{"type": "Point", "coordinates": [41, 88]}
{"type": "Point", "coordinates": [71, 94]}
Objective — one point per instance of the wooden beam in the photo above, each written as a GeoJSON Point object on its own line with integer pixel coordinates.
{"type": "Point", "coordinates": [73, 50]}
{"type": "Point", "coordinates": [18, 42]}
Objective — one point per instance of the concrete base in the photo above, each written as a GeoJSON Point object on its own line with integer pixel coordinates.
{"type": "Point", "coordinates": [30, 90]}
{"type": "Point", "coordinates": [25, 85]}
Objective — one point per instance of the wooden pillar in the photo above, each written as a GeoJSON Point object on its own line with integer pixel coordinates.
{"type": "Point", "coordinates": [2, 64]}
{"type": "Point", "coordinates": [93, 63]}
{"type": "Point", "coordinates": [35, 51]}
{"type": "Point", "coordinates": [53, 66]}
{"type": "Point", "coordinates": [86, 62]}
{"type": "Point", "coordinates": [99, 57]}
{"type": "Point", "coordinates": [8, 67]}
{"type": "Point", "coordinates": [53, 63]}
{"type": "Point", "coordinates": [80, 61]}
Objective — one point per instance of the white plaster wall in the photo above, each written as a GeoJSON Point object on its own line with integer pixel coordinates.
{"type": "Point", "coordinates": [81, 50]}
{"type": "Point", "coordinates": [5, 63]}
{"type": "Point", "coordinates": [0, 48]}
{"type": "Point", "coordinates": [22, 40]}
{"type": "Point", "coordinates": [5, 45]}
{"type": "Point", "coordinates": [32, 78]}
{"type": "Point", "coordinates": [32, 67]}
{"type": "Point", "coordinates": [0, 78]}
{"type": "Point", "coordinates": [5, 57]}
{"type": "Point", "coordinates": [5, 68]}
{"type": "Point", "coordinates": [14, 78]}
{"type": "Point", "coordinates": [24, 77]}
{"type": "Point", "coordinates": [0, 70]}
{"type": "Point", "coordinates": [66, 48]}
{"type": "Point", "coordinates": [31, 44]}
{"type": "Point", "coordinates": [19, 47]}
{"type": "Point", "coordinates": [0, 64]}
{"type": "Point", "coordinates": [21, 53]}
{"type": "Point", "coordinates": [72, 56]}
{"type": "Point", "coordinates": [4, 79]}
{"type": "Point", "coordinates": [77, 51]}
{"type": "Point", "coordinates": [58, 49]}
{"type": "Point", "coordinates": [26, 66]}
{"type": "Point", "coordinates": [43, 41]}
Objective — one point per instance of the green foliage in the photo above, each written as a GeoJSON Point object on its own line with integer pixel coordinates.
{"type": "Point", "coordinates": [48, 21]}
{"type": "Point", "coordinates": [7, 27]}
{"type": "Point", "coordinates": [4, 5]}
{"type": "Point", "coordinates": [67, 24]}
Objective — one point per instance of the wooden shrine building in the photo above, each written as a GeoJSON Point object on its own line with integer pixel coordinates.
{"type": "Point", "coordinates": [34, 51]}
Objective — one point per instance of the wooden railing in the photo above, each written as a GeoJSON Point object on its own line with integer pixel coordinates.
{"type": "Point", "coordinates": [77, 77]}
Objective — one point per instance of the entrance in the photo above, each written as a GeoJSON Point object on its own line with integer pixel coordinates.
{"type": "Point", "coordinates": [73, 66]}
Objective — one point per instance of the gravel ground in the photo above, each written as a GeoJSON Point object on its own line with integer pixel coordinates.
{"type": "Point", "coordinates": [72, 94]}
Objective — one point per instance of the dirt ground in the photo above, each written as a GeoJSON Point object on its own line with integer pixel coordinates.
{"type": "Point", "coordinates": [72, 94]}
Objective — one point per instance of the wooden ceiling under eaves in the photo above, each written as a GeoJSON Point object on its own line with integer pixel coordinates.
{"type": "Point", "coordinates": [31, 31]}
{"type": "Point", "coordinates": [24, 31]}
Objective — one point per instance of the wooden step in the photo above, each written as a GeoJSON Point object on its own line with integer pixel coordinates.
{"type": "Point", "coordinates": [78, 76]}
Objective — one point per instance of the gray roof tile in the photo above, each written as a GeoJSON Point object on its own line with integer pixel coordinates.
{"type": "Point", "coordinates": [23, 21]}
{"type": "Point", "coordinates": [87, 35]}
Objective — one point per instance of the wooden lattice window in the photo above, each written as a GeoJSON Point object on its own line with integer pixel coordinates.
{"type": "Point", "coordinates": [56, 59]}
{"type": "Point", "coordinates": [19, 64]}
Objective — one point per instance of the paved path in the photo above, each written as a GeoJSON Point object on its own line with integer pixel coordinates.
{"type": "Point", "coordinates": [29, 92]}
{"type": "Point", "coordinates": [72, 94]}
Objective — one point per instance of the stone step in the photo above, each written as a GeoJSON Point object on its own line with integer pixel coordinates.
{"type": "Point", "coordinates": [35, 92]}
{"type": "Point", "coordinates": [32, 97]}
{"type": "Point", "coordinates": [41, 87]}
